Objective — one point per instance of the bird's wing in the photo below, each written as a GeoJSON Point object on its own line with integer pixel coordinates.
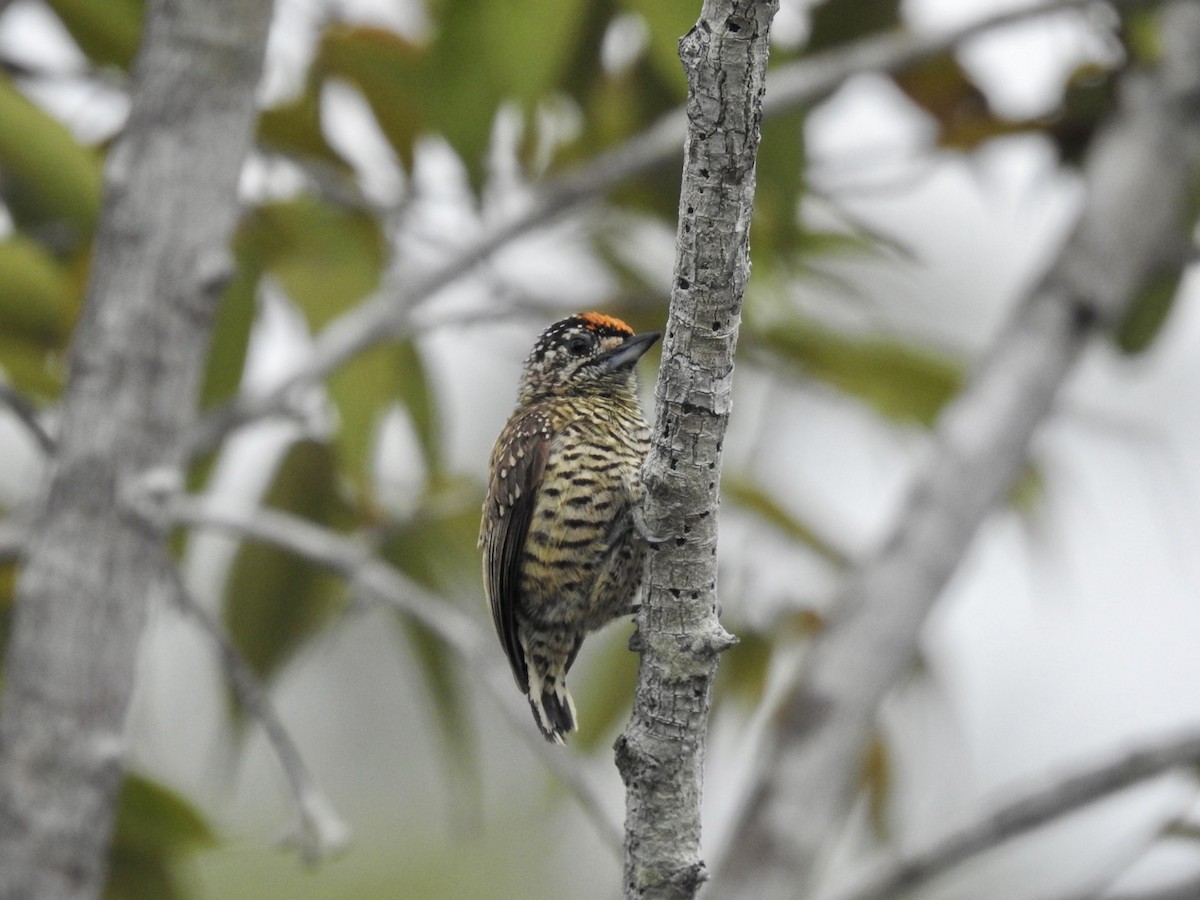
{"type": "Point", "coordinates": [518, 464]}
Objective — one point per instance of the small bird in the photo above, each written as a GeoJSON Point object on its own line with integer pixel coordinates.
{"type": "Point", "coordinates": [562, 535]}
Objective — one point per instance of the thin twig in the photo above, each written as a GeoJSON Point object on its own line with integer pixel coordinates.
{"type": "Point", "coordinates": [366, 572]}
{"type": "Point", "coordinates": [27, 414]}
{"type": "Point", "coordinates": [1053, 798]}
{"type": "Point", "coordinates": [389, 313]}
{"type": "Point", "coordinates": [321, 832]}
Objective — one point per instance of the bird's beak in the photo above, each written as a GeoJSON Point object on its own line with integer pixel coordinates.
{"type": "Point", "coordinates": [629, 352]}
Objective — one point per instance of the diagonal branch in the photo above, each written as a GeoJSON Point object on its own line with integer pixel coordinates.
{"type": "Point", "coordinates": [390, 312]}
{"type": "Point", "coordinates": [321, 831]}
{"type": "Point", "coordinates": [1130, 235]}
{"type": "Point", "coordinates": [366, 572]}
{"type": "Point", "coordinates": [27, 414]}
{"type": "Point", "coordinates": [1055, 797]}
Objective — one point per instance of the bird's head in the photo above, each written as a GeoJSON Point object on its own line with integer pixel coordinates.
{"type": "Point", "coordinates": [588, 353]}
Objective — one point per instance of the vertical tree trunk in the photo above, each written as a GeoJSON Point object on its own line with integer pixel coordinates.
{"type": "Point", "coordinates": [661, 753]}
{"type": "Point", "coordinates": [160, 262]}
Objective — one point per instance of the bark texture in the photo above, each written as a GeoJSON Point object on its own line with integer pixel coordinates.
{"type": "Point", "coordinates": [1133, 232]}
{"type": "Point", "coordinates": [661, 753]}
{"type": "Point", "coordinates": [160, 262]}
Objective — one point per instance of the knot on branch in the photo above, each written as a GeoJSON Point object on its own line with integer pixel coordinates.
{"type": "Point", "coordinates": [713, 640]}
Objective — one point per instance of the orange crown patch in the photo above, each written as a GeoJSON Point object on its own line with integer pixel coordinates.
{"type": "Point", "coordinates": [598, 321]}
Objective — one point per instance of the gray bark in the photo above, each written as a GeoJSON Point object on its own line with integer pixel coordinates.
{"type": "Point", "coordinates": [160, 262]}
{"type": "Point", "coordinates": [1134, 229]}
{"type": "Point", "coordinates": [661, 753]}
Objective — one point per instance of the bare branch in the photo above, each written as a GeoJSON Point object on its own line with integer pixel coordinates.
{"type": "Point", "coordinates": [390, 312]}
{"type": "Point", "coordinates": [27, 414]}
{"type": "Point", "coordinates": [1134, 222]}
{"type": "Point", "coordinates": [367, 573]}
{"type": "Point", "coordinates": [321, 831]}
{"type": "Point", "coordinates": [1055, 797]}
{"type": "Point", "coordinates": [661, 752]}
{"type": "Point", "coordinates": [137, 356]}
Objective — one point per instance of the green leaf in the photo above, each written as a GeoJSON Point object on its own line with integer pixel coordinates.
{"type": "Point", "coordinates": [31, 369]}
{"type": "Point", "coordinates": [898, 381]}
{"type": "Point", "coordinates": [605, 696]}
{"type": "Point", "coordinates": [386, 69]}
{"type": "Point", "coordinates": [666, 23]}
{"type": "Point", "coordinates": [436, 548]}
{"type": "Point", "coordinates": [133, 877]}
{"type": "Point", "coordinates": [48, 178]}
{"type": "Point", "coordinates": [37, 296]}
{"type": "Point", "coordinates": [8, 588]}
{"type": "Point", "coordinates": [294, 129]}
{"type": "Point", "coordinates": [152, 819]}
{"type": "Point", "coordinates": [414, 89]}
{"type": "Point", "coordinates": [275, 602]}
{"type": "Point", "coordinates": [1148, 313]}
{"type": "Point", "coordinates": [108, 33]}
{"type": "Point", "coordinates": [325, 258]}
{"type": "Point", "coordinates": [776, 232]}
{"type": "Point", "coordinates": [838, 22]}
{"type": "Point", "coordinates": [362, 390]}
{"type": "Point", "coordinates": [742, 675]}
{"type": "Point", "coordinates": [748, 495]}
{"type": "Point", "coordinates": [1027, 491]}
{"type": "Point", "coordinates": [153, 825]}
{"type": "Point", "coordinates": [231, 336]}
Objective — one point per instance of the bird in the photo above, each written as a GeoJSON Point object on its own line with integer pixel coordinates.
{"type": "Point", "coordinates": [562, 532]}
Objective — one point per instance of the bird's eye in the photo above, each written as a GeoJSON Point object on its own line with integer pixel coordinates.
{"type": "Point", "coordinates": [579, 345]}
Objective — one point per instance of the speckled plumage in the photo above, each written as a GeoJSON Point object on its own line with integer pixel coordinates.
{"type": "Point", "coordinates": [562, 557]}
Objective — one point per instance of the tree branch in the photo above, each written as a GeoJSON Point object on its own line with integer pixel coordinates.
{"type": "Point", "coordinates": [160, 260]}
{"type": "Point", "coordinates": [367, 573]}
{"type": "Point", "coordinates": [1188, 889]}
{"type": "Point", "coordinates": [661, 753]}
{"type": "Point", "coordinates": [27, 414]}
{"type": "Point", "coordinates": [1055, 797]}
{"type": "Point", "coordinates": [1140, 177]}
{"type": "Point", "coordinates": [320, 831]}
{"type": "Point", "coordinates": [390, 312]}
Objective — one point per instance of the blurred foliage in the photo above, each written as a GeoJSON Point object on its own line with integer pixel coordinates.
{"type": "Point", "coordinates": [326, 253]}
{"type": "Point", "coordinates": [742, 492]}
{"type": "Point", "coordinates": [154, 827]}
{"type": "Point", "coordinates": [108, 33]}
{"type": "Point", "coordinates": [436, 549]}
{"type": "Point", "coordinates": [899, 381]}
{"type": "Point", "coordinates": [275, 602]}
{"type": "Point", "coordinates": [877, 778]}
{"type": "Point", "coordinates": [837, 22]}
{"type": "Point", "coordinates": [8, 583]}
{"type": "Point", "coordinates": [1148, 313]}
{"type": "Point", "coordinates": [604, 693]}
{"type": "Point", "coordinates": [742, 677]}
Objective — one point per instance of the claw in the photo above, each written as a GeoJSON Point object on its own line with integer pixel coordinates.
{"type": "Point", "coordinates": [643, 531]}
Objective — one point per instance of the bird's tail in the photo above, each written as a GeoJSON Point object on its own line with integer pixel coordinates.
{"type": "Point", "coordinates": [553, 708]}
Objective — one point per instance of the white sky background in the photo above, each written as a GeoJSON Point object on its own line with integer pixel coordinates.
{"type": "Point", "coordinates": [1066, 634]}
